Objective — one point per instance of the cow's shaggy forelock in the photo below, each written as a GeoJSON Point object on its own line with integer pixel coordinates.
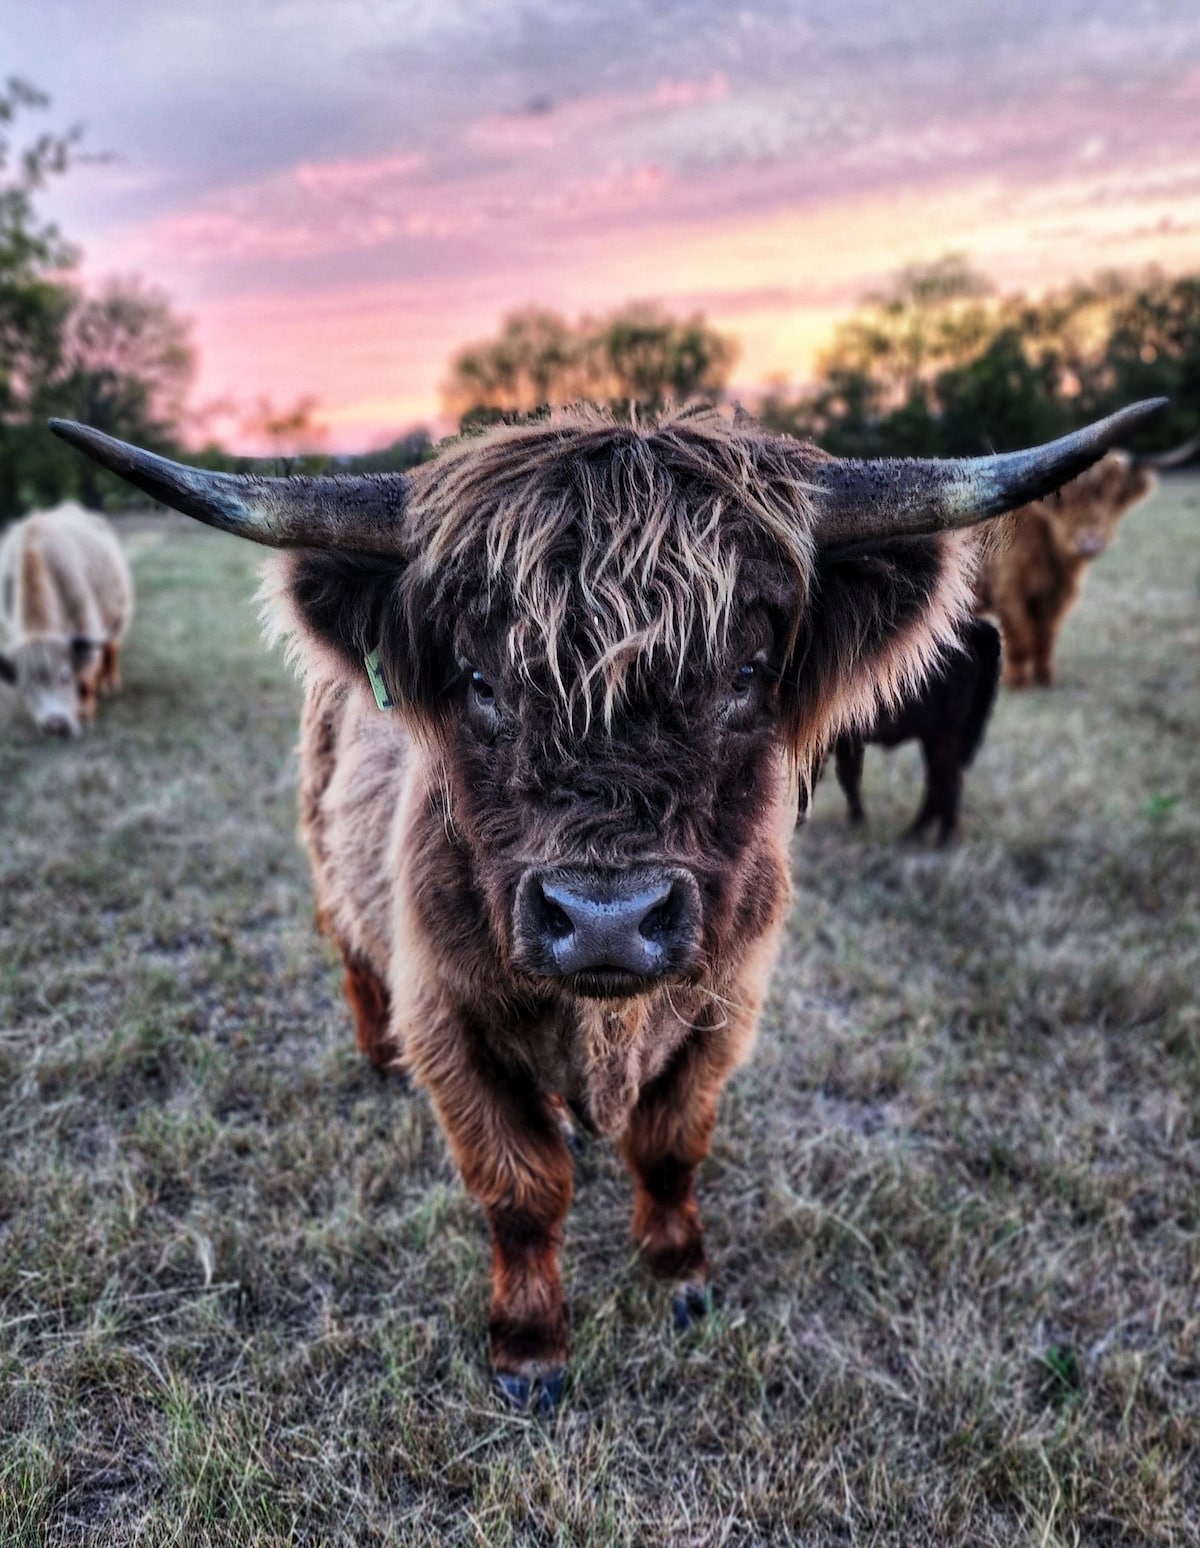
{"type": "Point", "coordinates": [612, 553]}
{"type": "Point", "coordinates": [593, 556]}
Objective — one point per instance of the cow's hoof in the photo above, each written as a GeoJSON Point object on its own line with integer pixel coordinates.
{"type": "Point", "coordinates": [538, 1395]}
{"type": "Point", "coordinates": [689, 1303]}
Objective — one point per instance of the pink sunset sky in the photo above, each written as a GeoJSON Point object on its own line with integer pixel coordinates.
{"type": "Point", "coordinates": [340, 195]}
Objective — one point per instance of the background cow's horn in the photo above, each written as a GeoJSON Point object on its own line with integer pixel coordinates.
{"type": "Point", "coordinates": [363, 511]}
{"type": "Point", "coordinates": [863, 501]}
{"type": "Point", "coordinates": [1161, 462]}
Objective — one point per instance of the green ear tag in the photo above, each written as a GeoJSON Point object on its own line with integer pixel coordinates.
{"type": "Point", "coordinates": [375, 673]}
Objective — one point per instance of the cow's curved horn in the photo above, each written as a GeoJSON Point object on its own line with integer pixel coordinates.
{"type": "Point", "coordinates": [863, 501]}
{"type": "Point", "coordinates": [1162, 462]}
{"type": "Point", "coordinates": [361, 511]}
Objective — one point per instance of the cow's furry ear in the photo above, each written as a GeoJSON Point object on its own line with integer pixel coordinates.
{"type": "Point", "coordinates": [8, 669]}
{"type": "Point", "coordinates": [875, 621]}
{"type": "Point", "coordinates": [330, 606]}
{"type": "Point", "coordinates": [335, 608]}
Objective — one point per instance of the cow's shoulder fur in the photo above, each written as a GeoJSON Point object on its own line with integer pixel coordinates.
{"type": "Point", "coordinates": [355, 764]}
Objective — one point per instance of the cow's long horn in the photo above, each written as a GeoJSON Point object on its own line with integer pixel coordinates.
{"type": "Point", "coordinates": [1162, 462]}
{"type": "Point", "coordinates": [863, 501]}
{"type": "Point", "coordinates": [362, 511]}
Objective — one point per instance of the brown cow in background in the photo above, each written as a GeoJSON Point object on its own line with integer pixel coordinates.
{"type": "Point", "coordinates": [560, 681]}
{"type": "Point", "coordinates": [1031, 579]}
{"type": "Point", "coordinates": [66, 601]}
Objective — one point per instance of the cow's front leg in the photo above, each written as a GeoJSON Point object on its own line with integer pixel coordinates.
{"type": "Point", "coordinates": [371, 1005]}
{"type": "Point", "coordinates": [1043, 651]}
{"type": "Point", "coordinates": [1017, 632]}
{"type": "Point", "coordinates": [668, 1136]}
{"type": "Point", "coordinates": [110, 672]}
{"type": "Point", "coordinates": [848, 757]}
{"type": "Point", "coordinates": [507, 1139]}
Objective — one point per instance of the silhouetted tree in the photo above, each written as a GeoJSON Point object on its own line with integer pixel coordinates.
{"type": "Point", "coordinates": [939, 367]}
{"type": "Point", "coordinates": [643, 356]}
{"type": "Point", "coordinates": [1153, 349]}
{"type": "Point", "coordinates": [638, 354]}
{"type": "Point", "coordinates": [126, 364]}
{"type": "Point", "coordinates": [34, 303]}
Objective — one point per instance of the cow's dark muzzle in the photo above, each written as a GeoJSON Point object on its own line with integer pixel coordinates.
{"type": "Point", "coordinates": [607, 933]}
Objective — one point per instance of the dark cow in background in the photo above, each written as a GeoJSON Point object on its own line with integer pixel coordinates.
{"type": "Point", "coordinates": [947, 715]}
{"type": "Point", "coordinates": [556, 859]}
{"type": "Point", "coordinates": [1031, 579]}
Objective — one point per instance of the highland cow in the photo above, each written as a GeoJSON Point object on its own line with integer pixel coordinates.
{"type": "Point", "coordinates": [66, 600]}
{"type": "Point", "coordinates": [1032, 578]}
{"type": "Point", "coordinates": [947, 715]}
{"type": "Point", "coordinates": [560, 681]}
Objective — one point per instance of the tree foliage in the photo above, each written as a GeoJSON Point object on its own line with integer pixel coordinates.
{"type": "Point", "coordinates": [939, 366]}
{"type": "Point", "coordinates": [34, 302]}
{"type": "Point", "coordinates": [638, 354]}
{"type": "Point", "coordinates": [120, 360]}
{"type": "Point", "coordinates": [126, 366]}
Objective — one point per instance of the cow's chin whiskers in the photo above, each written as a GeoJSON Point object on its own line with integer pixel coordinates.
{"type": "Point", "coordinates": [714, 997]}
{"type": "Point", "coordinates": [699, 1026]}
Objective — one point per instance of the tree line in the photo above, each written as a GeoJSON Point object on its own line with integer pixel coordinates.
{"type": "Point", "coordinates": [938, 365]}
{"type": "Point", "coordinates": [941, 366]}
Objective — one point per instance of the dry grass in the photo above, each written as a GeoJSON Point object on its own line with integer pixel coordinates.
{"type": "Point", "coordinates": [954, 1203]}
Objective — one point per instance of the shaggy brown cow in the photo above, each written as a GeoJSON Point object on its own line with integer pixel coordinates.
{"type": "Point", "coordinates": [556, 859]}
{"type": "Point", "coordinates": [66, 600]}
{"type": "Point", "coordinates": [1032, 579]}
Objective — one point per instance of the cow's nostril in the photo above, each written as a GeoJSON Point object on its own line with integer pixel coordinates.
{"type": "Point", "coordinates": [659, 923]}
{"type": "Point", "coordinates": [555, 920]}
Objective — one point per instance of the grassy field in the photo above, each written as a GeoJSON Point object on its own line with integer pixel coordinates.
{"type": "Point", "coordinates": [954, 1203]}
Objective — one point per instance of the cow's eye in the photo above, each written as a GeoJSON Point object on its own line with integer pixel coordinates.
{"type": "Point", "coordinates": [483, 704]}
{"type": "Point", "coordinates": [744, 698]}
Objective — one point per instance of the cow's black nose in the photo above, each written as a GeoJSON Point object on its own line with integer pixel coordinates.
{"type": "Point", "coordinates": [611, 931]}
